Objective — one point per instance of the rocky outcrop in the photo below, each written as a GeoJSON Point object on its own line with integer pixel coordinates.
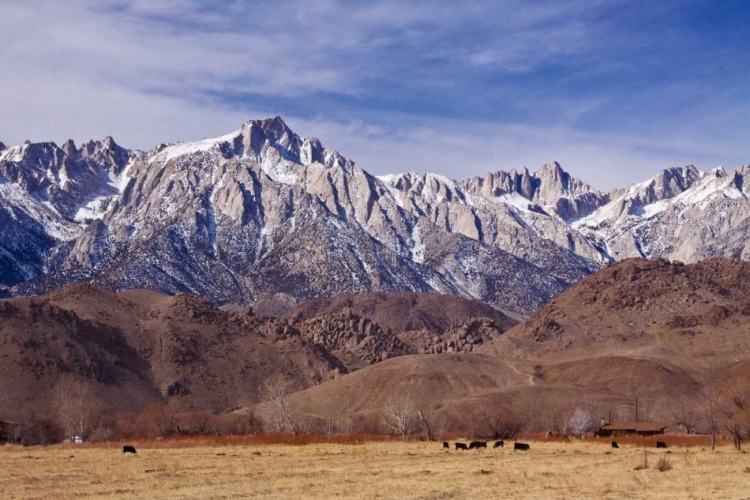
{"type": "Point", "coordinates": [550, 188]}
{"type": "Point", "coordinates": [351, 334]}
{"type": "Point", "coordinates": [461, 338]}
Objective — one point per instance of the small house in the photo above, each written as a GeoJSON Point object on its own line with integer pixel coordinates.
{"type": "Point", "coordinates": [633, 429]}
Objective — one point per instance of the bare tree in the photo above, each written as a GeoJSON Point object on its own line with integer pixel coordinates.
{"type": "Point", "coordinates": [15, 433]}
{"type": "Point", "coordinates": [737, 417]}
{"type": "Point", "coordinates": [201, 422]}
{"type": "Point", "coordinates": [579, 422]}
{"type": "Point", "coordinates": [713, 396]}
{"type": "Point", "coordinates": [434, 424]}
{"type": "Point", "coordinates": [278, 415]}
{"type": "Point", "coordinates": [78, 408]}
{"type": "Point", "coordinates": [400, 414]}
{"type": "Point", "coordinates": [440, 426]}
{"type": "Point", "coordinates": [652, 409]}
{"type": "Point", "coordinates": [161, 417]}
{"type": "Point", "coordinates": [501, 424]}
{"type": "Point", "coordinates": [686, 412]}
{"type": "Point", "coordinates": [425, 425]}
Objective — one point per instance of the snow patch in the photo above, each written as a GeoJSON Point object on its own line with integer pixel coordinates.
{"type": "Point", "coordinates": [186, 148]}
{"type": "Point", "coordinates": [514, 200]}
{"type": "Point", "coordinates": [418, 248]}
{"type": "Point", "coordinates": [13, 153]}
{"type": "Point", "coordinates": [279, 172]}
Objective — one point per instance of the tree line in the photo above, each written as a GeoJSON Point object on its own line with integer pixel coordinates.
{"type": "Point", "coordinates": [717, 408]}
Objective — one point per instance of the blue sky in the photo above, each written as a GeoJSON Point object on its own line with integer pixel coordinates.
{"type": "Point", "coordinates": [613, 90]}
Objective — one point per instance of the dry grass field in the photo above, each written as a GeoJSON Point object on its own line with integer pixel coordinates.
{"type": "Point", "coordinates": [551, 470]}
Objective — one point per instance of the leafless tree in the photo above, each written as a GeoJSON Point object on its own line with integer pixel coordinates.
{"type": "Point", "coordinates": [15, 433]}
{"type": "Point", "coordinates": [736, 416]}
{"type": "Point", "coordinates": [440, 426]}
{"type": "Point", "coordinates": [278, 415]}
{"type": "Point", "coordinates": [501, 424]}
{"type": "Point", "coordinates": [579, 422]}
{"type": "Point", "coordinates": [161, 417]}
{"type": "Point", "coordinates": [78, 408]}
{"type": "Point", "coordinates": [652, 409]}
{"type": "Point", "coordinates": [201, 422]}
{"type": "Point", "coordinates": [400, 414]}
{"type": "Point", "coordinates": [434, 424]}
{"type": "Point", "coordinates": [686, 412]}
{"type": "Point", "coordinates": [712, 403]}
{"type": "Point", "coordinates": [425, 423]}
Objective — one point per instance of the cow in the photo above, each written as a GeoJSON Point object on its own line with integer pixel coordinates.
{"type": "Point", "coordinates": [475, 445]}
{"type": "Point", "coordinates": [499, 444]}
{"type": "Point", "coordinates": [461, 446]}
{"type": "Point", "coordinates": [446, 445]}
{"type": "Point", "coordinates": [661, 444]}
{"type": "Point", "coordinates": [615, 445]}
{"type": "Point", "coordinates": [128, 449]}
{"type": "Point", "coordinates": [521, 447]}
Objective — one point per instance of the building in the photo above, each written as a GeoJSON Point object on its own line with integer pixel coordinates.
{"type": "Point", "coordinates": [633, 428]}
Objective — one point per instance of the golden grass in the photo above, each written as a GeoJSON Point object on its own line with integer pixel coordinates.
{"type": "Point", "coordinates": [551, 470]}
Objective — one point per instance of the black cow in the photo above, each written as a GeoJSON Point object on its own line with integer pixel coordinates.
{"type": "Point", "coordinates": [661, 444]}
{"type": "Point", "coordinates": [521, 447]}
{"type": "Point", "coordinates": [499, 444]}
{"type": "Point", "coordinates": [475, 445]}
{"type": "Point", "coordinates": [446, 445]}
{"type": "Point", "coordinates": [615, 445]}
{"type": "Point", "coordinates": [461, 446]}
{"type": "Point", "coordinates": [128, 449]}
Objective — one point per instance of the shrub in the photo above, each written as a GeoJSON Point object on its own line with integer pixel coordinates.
{"type": "Point", "coordinates": [664, 464]}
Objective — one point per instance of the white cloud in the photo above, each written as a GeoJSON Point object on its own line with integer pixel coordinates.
{"type": "Point", "coordinates": [150, 71]}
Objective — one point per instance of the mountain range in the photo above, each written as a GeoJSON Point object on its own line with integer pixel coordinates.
{"type": "Point", "coordinates": [262, 214]}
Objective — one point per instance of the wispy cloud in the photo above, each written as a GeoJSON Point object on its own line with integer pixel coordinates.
{"type": "Point", "coordinates": [612, 91]}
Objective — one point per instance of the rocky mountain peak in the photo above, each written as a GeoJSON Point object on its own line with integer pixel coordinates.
{"type": "Point", "coordinates": [556, 183]}
{"type": "Point", "coordinates": [2, 147]}
{"type": "Point", "coordinates": [69, 148]}
{"type": "Point", "coordinates": [550, 186]}
{"type": "Point", "coordinates": [666, 184]}
{"type": "Point", "coordinates": [107, 153]}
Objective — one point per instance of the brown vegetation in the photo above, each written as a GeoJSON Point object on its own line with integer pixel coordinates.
{"type": "Point", "coordinates": [372, 470]}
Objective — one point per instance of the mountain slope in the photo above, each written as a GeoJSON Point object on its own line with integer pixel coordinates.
{"type": "Point", "coordinates": [141, 346]}
{"type": "Point", "coordinates": [681, 214]}
{"type": "Point", "coordinates": [642, 329]}
{"type": "Point", "coordinates": [262, 211]}
{"type": "Point", "coordinates": [47, 194]}
{"type": "Point", "coordinates": [696, 316]}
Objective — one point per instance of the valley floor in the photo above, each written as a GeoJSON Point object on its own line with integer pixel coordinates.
{"type": "Point", "coordinates": [377, 470]}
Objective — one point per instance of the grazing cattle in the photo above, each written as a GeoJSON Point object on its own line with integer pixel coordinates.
{"type": "Point", "coordinates": [521, 447]}
{"type": "Point", "coordinates": [461, 446]}
{"type": "Point", "coordinates": [499, 444]}
{"type": "Point", "coordinates": [661, 444]}
{"type": "Point", "coordinates": [615, 445]}
{"type": "Point", "coordinates": [128, 449]}
{"type": "Point", "coordinates": [446, 445]}
{"type": "Point", "coordinates": [475, 445]}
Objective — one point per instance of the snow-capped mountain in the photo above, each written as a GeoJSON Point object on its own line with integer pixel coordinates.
{"type": "Point", "coordinates": [681, 214]}
{"type": "Point", "coordinates": [47, 195]}
{"type": "Point", "coordinates": [262, 211]}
